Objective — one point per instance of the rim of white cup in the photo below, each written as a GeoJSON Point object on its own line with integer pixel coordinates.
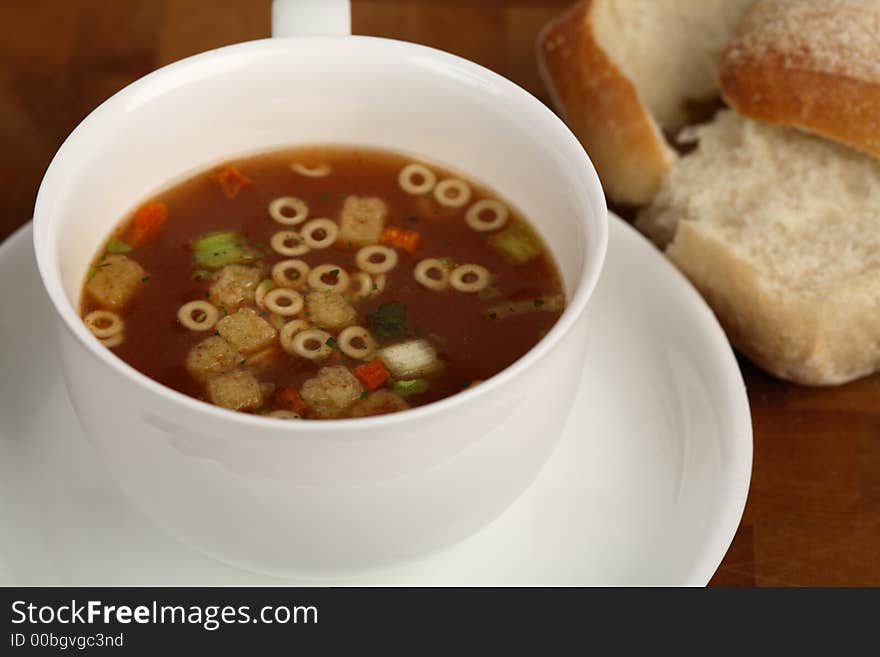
{"type": "Point", "coordinates": [544, 118]}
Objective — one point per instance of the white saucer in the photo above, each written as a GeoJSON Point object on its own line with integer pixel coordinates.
{"type": "Point", "coordinates": [646, 487]}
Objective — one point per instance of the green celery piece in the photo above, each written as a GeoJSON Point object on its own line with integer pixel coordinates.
{"type": "Point", "coordinates": [410, 387]}
{"type": "Point", "coordinates": [517, 242]}
{"type": "Point", "coordinates": [116, 245]}
{"type": "Point", "coordinates": [216, 250]}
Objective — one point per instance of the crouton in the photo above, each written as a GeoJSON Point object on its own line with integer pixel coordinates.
{"type": "Point", "coordinates": [115, 280]}
{"type": "Point", "coordinates": [212, 356]}
{"type": "Point", "coordinates": [265, 358]}
{"type": "Point", "coordinates": [246, 331]}
{"type": "Point", "coordinates": [238, 390]}
{"type": "Point", "coordinates": [331, 392]}
{"type": "Point", "coordinates": [362, 221]}
{"type": "Point", "coordinates": [378, 403]}
{"type": "Point", "coordinates": [234, 286]}
{"type": "Point", "coordinates": [330, 310]}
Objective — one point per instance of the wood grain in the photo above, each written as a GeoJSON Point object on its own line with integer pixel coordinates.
{"type": "Point", "coordinates": [813, 515]}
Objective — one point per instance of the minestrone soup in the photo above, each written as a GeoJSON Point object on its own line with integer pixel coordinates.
{"type": "Point", "coordinates": [322, 282]}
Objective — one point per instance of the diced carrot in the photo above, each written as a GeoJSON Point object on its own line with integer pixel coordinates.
{"type": "Point", "coordinates": [372, 374]}
{"type": "Point", "coordinates": [408, 240]}
{"type": "Point", "coordinates": [231, 180]}
{"type": "Point", "coordinates": [289, 399]}
{"type": "Point", "coordinates": [148, 219]}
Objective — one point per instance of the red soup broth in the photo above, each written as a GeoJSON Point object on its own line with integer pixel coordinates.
{"type": "Point", "coordinates": [488, 292]}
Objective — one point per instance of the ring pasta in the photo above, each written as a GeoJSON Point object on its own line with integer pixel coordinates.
{"type": "Point", "coordinates": [288, 332]}
{"type": "Point", "coordinates": [312, 344]}
{"type": "Point", "coordinates": [356, 342]}
{"type": "Point", "coordinates": [452, 192]}
{"type": "Point", "coordinates": [281, 414]}
{"type": "Point", "coordinates": [113, 340]}
{"type": "Point", "coordinates": [474, 217]}
{"type": "Point", "coordinates": [319, 233]}
{"type": "Point", "coordinates": [411, 171]}
{"type": "Point", "coordinates": [470, 278]}
{"type": "Point", "coordinates": [366, 286]}
{"type": "Point", "coordinates": [376, 259]}
{"type": "Point", "coordinates": [288, 243]}
{"type": "Point", "coordinates": [104, 324]}
{"type": "Point", "coordinates": [260, 292]}
{"type": "Point", "coordinates": [284, 301]}
{"type": "Point", "coordinates": [329, 278]}
{"type": "Point", "coordinates": [198, 315]}
{"type": "Point", "coordinates": [319, 171]}
{"type": "Point", "coordinates": [289, 210]}
{"type": "Point", "coordinates": [424, 270]}
{"type": "Point", "coordinates": [282, 273]}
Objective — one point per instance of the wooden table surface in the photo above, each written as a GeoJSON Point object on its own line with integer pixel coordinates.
{"type": "Point", "coordinates": [813, 515]}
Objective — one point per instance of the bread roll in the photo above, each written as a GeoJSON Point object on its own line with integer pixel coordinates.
{"type": "Point", "coordinates": [622, 71]}
{"type": "Point", "coordinates": [811, 64]}
{"type": "Point", "coordinates": [780, 232]}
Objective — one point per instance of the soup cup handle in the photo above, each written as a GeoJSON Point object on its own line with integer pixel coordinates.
{"type": "Point", "coordinates": [310, 17]}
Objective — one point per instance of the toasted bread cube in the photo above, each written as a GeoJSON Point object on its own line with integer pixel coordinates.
{"type": "Point", "coordinates": [234, 286]}
{"type": "Point", "coordinates": [212, 356]}
{"type": "Point", "coordinates": [330, 310]}
{"type": "Point", "coordinates": [246, 331]}
{"type": "Point", "coordinates": [265, 358]}
{"type": "Point", "coordinates": [411, 359]}
{"type": "Point", "coordinates": [331, 392]}
{"type": "Point", "coordinates": [378, 403]}
{"type": "Point", "coordinates": [115, 280]}
{"type": "Point", "coordinates": [238, 390]}
{"type": "Point", "coordinates": [362, 221]}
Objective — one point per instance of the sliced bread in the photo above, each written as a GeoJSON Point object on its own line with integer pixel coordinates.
{"type": "Point", "coordinates": [623, 71]}
{"type": "Point", "coordinates": [812, 64]}
{"type": "Point", "coordinates": [780, 232]}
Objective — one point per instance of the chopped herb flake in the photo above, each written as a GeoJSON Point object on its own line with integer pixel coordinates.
{"type": "Point", "coordinates": [145, 279]}
{"type": "Point", "coordinates": [389, 320]}
{"type": "Point", "coordinates": [538, 303]}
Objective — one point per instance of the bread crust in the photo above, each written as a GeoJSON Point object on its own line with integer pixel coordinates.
{"type": "Point", "coordinates": [602, 107]}
{"type": "Point", "coordinates": [808, 65]}
{"type": "Point", "coordinates": [793, 338]}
